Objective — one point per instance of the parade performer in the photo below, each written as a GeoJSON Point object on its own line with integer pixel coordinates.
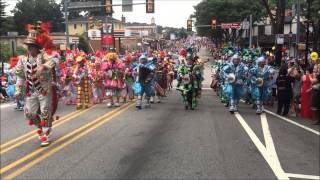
{"type": "Point", "coordinates": [248, 57]}
{"type": "Point", "coordinates": [96, 80]}
{"type": "Point", "coordinates": [81, 78]}
{"type": "Point", "coordinates": [69, 89]}
{"type": "Point", "coordinates": [35, 71]}
{"type": "Point", "coordinates": [144, 79]}
{"type": "Point", "coordinates": [114, 79]}
{"type": "Point", "coordinates": [234, 75]}
{"type": "Point", "coordinates": [129, 78]}
{"type": "Point", "coordinates": [260, 75]}
{"type": "Point", "coordinates": [189, 80]}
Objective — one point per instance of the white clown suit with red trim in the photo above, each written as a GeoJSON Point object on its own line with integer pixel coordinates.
{"type": "Point", "coordinates": [39, 105]}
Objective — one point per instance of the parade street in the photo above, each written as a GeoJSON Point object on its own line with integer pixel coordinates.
{"type": "Point", "coordinates": [162, 142]}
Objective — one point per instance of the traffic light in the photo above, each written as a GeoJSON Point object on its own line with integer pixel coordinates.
{"type": "Point", "coordinates": [150, 6]}
{"type": "Point", "coordinates": [109, 9]}
{"type": "Point", "coordinates": [100, 24]}
{"type": "Point", "coordinates": [213, 23]}
{"type": "Point", "coordinates": [189, 25]}
{"type": "Point", "coordinates": [91, 23]}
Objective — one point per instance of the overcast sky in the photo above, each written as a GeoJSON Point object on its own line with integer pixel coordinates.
{"type": "Point", "coordinates": [172, 13]}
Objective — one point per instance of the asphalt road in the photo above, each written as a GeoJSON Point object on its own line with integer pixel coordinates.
{"type": "Point", "coordinates": [163, 142]}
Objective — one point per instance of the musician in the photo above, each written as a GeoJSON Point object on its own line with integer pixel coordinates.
{"type": "Point", "coordinates": [145, 78]}
{"type": "Point", "coordinates": [260, 76]}
{"type": "Point", "coordinates": [234, 75]}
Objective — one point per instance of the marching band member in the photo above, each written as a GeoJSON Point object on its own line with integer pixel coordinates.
{"type": "Point", "coordinates": [260, 75]}
{"type": "Point", "coordinates": [145, 78]}
{"type": "Point", "coordinates": [234, 74]}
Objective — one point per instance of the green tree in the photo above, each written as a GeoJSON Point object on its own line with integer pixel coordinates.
{"type": "Point", "coordinates": [224, 11]}
{"type": "Point", "coordinates": [7, 25]}
{"type": "Point", "coordinates": [30, 11]}
{"type": "Point", "coordinates": [314, 22]}
{"type": "Point", "coordinates": [2, 14]}
{"type": "Point", "coordinates": [83, 44]}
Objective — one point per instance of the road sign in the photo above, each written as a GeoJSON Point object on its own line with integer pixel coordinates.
{"type": "Point", "coordinates": [235, 25]}
{"type": "Point", "coordinates": [126, 7]}
{"type": "Point", "coordinates": [94, 34]}
{"type": "Point", "coordinates": [280, 38]}
{"type": "Point", "coordinates": [245, 25]}
{"type": "Point", "coordinates": [107, 28]}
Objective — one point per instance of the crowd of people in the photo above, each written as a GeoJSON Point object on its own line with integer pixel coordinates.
{"type": "Point", "coordinates": [39, 79]}
{"type": "Point", "coordinates": [42, 77]}
{"type": "Point", "coordinates": [252, 76]}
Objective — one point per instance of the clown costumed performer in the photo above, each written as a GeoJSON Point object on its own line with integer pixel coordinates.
{"type": "Point", "coordinates": [260, 89]}
{"type": "Point", "coordinates": [114, 79]}
{"type": "Point", "coordinates": [234, 75]}
{"type": "Point", "coordinates": [81, 78]}
{"type": "Point", "coordinates": [96, 76]}
{"type": "Point", "coordinates": [35, 72]}
{"type": "Point", "coordinates": [69, 86]}
{"type": "Point", "coordinates": [129, 78]}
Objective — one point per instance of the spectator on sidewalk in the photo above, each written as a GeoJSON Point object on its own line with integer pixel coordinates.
{"type": "Point", "coordinates": [3, 94]}
{"type": "Point", "coordinates": [284, 90]}
{"type": "Point", "coordinates": [307, 79]}
{"type": "Point", "coordinates": [315, 100]}
{"type": "Point", "coordinates": [296, 74]}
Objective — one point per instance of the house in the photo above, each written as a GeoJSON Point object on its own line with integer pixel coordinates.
{"type": "Point", "coordinates": [264, 37]}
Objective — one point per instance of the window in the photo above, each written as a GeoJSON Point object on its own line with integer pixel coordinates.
{"type": "Point", "coordinates": [75, 26]}
{"type": "Point", "coordinates": [261, 30]}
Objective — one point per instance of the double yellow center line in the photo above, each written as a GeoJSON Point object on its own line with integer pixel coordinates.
{"type": "Point", "coordinates": [54, 148]}
{"type": "Point", "coordinates": [27, 137]}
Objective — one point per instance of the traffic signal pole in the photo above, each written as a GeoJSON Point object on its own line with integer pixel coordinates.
{"type": "Point", "coordinates": [66, 22]}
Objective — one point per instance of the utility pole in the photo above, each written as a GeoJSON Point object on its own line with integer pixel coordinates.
{"type": "Point", "coordinates": [298, 30]}
{"type": "Point", "coordinates": [250, 38]}
{"type": "Point", "coordinates": [66, 22]}
{"type": "Point", "coordinates": [307, 34]}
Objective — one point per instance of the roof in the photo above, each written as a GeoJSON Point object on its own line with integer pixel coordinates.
{"type": "Point", "coordinates": [85, 19]}
{"type": "Point", "coordinates": [138, 24]}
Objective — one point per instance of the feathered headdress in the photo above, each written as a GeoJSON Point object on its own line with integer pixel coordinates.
{"type": "Point", "coordinates": [39, 36]}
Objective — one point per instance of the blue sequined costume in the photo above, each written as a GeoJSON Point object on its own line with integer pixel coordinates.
{"type": "Point", "coordinates": [234, 89]}
{"type": "Point", "coordinates": [260, 88]}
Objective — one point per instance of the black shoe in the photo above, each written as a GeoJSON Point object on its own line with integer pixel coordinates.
{"type": "Point", "coordinates": [138, 107]}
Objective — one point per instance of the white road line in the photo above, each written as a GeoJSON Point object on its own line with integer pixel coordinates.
{"type": "Point", "coordinates": [278, 171]}
{"type": "Point", "coordinates": [295, 123]}
{"type": "Point", "coordinates": [269, 143]}
{"type": "Point", "coordinates": [302, 176]}
{"type": "Point", "coordinates": [291, 121]}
